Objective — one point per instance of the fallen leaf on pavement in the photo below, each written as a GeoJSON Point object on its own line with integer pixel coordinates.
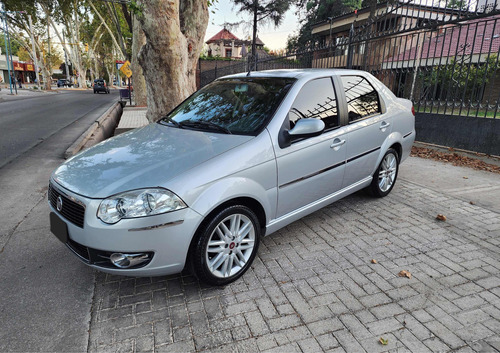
{"type": "Point", "coordinates": [404, 273]}
{"type": "Point", "coordinates": [466, 177]}
{"type": "Point", "coordinates": [472, 203]}
{"type": "Point", "coordinates": [441, 217]}
{"type": "Point", "coordinates": [374, 261]}
{"type": "Point", "coordinates": [454, 158]}
{"type": "Point", "coordinates": [383, 341]}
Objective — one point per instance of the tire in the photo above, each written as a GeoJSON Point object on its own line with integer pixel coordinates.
{"type": "Point", "coordinates": [385, 176]}
{"type": "Point", "coordinates": [218, 257]}
{"type": "Point", "coordinates": [95, 92]}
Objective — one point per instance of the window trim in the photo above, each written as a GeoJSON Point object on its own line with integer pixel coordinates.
{"type": "Point", "coordinates": [286, 127]}
{"type": "Point", "coordinates": [379, 100]}
{"type": "Point", "coordinates": [336, 101]}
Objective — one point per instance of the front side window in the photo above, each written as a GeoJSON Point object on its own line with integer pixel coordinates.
{"type": "Point", "coordinates": [362, 99]}
{"type": "Point", "coordinates": [238, 106]}
{"type": "Point", "coordinates": [316, 100]}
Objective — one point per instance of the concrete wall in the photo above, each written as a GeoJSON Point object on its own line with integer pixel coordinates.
{"type": "Point", "coordinates": [468, 133]}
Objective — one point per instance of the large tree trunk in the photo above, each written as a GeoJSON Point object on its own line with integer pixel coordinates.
{"type": "Point", "coordinates": [139, 83]}
{"type": "Point", "coordinates": [174, 38]}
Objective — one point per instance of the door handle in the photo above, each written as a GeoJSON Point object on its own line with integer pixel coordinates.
{"type": "Point", "coordinates": [337, 143]}
{"type": "Point", "coordinates": [384, 125]}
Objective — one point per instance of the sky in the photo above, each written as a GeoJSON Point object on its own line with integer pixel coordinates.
{"type": "Point", "coordinates": [273, 38]}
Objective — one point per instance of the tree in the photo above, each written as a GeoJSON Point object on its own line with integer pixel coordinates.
{"type": "Point", "coordinates": [23, 54]}
{"type": "Point", "coordinates": [312, 12]}
{"type": "Point", "coordinates": [174, 33]}
{"type": "Point", "coordinates": [14, 44]}
{"type": "Point", "coordinates": [270, 11]}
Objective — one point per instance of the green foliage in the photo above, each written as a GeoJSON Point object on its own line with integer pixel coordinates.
{"type": "Point", "coordinates": [267, 10]}
{"type": "Point", "coordinates": [314, 11]}
{"type": "Point", "coordinates": [135, 8]}
{"type": "Point", "coordinates": [461, 76]}
{"type": "Point", "coordinates": [457, 4]}
{"type": "Point", "coordinates": [213, 58]}
{"type": "Point", "coordinates": [14, 45]}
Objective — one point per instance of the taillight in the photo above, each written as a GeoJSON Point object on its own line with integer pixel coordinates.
{"type": "Point", "coordinates": [413, 110]}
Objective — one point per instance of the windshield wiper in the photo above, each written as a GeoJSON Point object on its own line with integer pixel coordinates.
{"type": "Point", "coordinates": [170, 120]}
{"type": "Point", "coordinates": [204, 124]}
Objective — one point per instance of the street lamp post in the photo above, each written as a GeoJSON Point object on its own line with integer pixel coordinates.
{"type": "Point", "coordinates": [10, 50]}
{"type": "Point", "coordinates": [7, 60]}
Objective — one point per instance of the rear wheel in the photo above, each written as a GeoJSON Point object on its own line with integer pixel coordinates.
{"type": "Point", "coordinates": [386, 174]}
{"type": "Point", "coordinates": [226, 246]}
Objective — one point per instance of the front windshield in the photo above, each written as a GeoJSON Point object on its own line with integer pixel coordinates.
{"type": "Point", "coordinates": [237, 106]}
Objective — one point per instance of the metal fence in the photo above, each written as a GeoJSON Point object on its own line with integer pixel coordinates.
{"type": "Point", "coordinates": [442, 56]}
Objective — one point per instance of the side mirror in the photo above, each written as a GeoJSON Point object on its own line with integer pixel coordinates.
{"type": "Point", "coordinates": [307, 127]}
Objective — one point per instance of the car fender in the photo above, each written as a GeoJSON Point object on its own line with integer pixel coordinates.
{"type": "Point", "coordinates": [393, 138]}
{"type": "Point", "coordinates": [225, 190]}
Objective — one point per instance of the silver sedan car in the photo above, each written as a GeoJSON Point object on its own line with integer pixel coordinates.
{"type": "Point", "coordinates": [239, 159]}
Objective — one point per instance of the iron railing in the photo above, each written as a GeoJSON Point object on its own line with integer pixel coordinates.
{"type": "Point", "coordinates": [445, 59]}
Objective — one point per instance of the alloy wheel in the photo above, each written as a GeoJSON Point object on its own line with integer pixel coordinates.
{"type": "Point", "coordinates": [387, 172]}
{"type": "Point", "coordinates": [230, 246]}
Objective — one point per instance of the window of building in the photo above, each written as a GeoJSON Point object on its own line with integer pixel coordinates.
{"type": "Point", "coordinates": [229, 53]}
{"type": "Point", "coordinates": [362, 99]}
{"type": "Point", "coordinates": [316, 100]}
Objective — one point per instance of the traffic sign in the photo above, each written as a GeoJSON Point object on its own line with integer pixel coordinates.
{"type": "Point", "coordinates": [125, 69]}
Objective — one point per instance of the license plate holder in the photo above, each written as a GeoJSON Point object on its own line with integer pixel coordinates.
{"type": "Point", "coordinates": [58, 227]}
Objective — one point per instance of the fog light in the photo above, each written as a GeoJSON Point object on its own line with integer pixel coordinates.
{"type": "Point", "coordinates": [128, 260]}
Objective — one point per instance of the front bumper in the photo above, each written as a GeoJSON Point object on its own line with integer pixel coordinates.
{"type": "Point", "coordinates": [166, 237]}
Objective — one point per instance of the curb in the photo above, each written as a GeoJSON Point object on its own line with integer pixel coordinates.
{"type": "Point", "coordinates": [100, 130]}
{"type": "Point", "coordinates": [490, 159]}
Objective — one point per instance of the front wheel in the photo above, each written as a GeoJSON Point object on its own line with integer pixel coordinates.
{"type": "Point", "coordinates": [386, 174]}
{"type": "Point", "coordinates": [226, 246]}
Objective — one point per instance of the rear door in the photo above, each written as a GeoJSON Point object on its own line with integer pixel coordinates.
{"type": "Point", "coordinates": [312, 168]}
{"type": "Point", "coordinates": [368, 127]}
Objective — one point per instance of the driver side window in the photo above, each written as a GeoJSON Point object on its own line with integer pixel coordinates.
{"type": "Point", "coordinates": [316, 100]}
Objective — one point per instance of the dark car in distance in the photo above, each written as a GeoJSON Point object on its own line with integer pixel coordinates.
{"type": "Point", "coordinates": [63, 83]}
{"type": "Point", "coordinates": [100, 86]}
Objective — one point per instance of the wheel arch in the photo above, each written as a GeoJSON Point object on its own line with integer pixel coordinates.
{"type": "Point", "coordinates": [252, 203]}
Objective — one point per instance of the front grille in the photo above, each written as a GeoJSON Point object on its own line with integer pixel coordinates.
{"type": "Point", "coordinates": [79, 249]}
{"type": "Point", "coordinates": [71, 210]}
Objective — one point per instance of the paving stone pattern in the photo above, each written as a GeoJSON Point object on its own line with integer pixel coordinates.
{"type": "Point", "coordinates": [313, 287]}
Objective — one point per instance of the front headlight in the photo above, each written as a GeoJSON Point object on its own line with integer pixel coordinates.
{"type": "Point", "coordinates": [138, 203]}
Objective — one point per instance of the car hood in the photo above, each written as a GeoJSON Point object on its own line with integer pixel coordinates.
{"type": "Point", "coordinates": [146, 157]}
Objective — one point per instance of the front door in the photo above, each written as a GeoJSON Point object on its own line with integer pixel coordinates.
{"type": "Point", "coordinates": [312, 168]}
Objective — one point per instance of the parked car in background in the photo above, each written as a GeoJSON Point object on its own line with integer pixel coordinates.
{"type": "Point", "coordinates": [100, 86]}
{"type": "Point", "coordinates": [241, 158]}
{"type": "Point", "coordinates": [64, 83]}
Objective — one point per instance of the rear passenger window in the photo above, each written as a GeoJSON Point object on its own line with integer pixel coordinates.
{"type": "Point", "coordinates": [316, 100]}
{"type": "Point", "coordinates": [362, 99]}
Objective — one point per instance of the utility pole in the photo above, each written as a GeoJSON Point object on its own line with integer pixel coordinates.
{"type": "Point", "coordinates": [34, 54]}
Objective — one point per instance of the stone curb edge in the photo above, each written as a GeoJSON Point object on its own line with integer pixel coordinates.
{"type": "Point", "coordinates": [100, 130]}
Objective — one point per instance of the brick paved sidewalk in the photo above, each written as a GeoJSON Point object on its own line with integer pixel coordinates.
{"type": "Point", "coordinates": [313, 286]}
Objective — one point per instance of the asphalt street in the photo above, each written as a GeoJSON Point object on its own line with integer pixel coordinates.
{"type": "Point", "coordinates": [26, 122]}
{"type": "Point", "coordinates": [44, 302]}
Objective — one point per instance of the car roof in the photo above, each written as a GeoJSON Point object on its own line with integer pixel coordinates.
{"type": "Point", "coordinates": [298, 73]}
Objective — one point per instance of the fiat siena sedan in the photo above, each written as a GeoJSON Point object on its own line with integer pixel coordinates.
{"type": "Point", "coordinates": [239, 159]}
